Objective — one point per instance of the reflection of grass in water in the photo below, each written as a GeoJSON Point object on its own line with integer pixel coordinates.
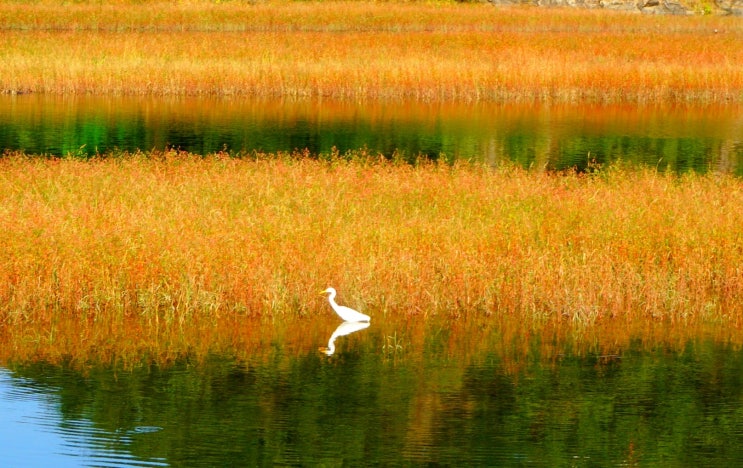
{"type": "Point", "coordinates": [392, 346]}
{"type": "Point", "coordinates": [171, 252]}
{"type": "Point", "coordinates": [353, 50]}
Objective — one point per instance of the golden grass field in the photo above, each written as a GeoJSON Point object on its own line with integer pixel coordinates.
{"type": "Point", "coordinates": [170, 251]}
{"type": "Point", "coordinates": [425, 51]}
{"type": "Point", "coordinates": [129, 256]}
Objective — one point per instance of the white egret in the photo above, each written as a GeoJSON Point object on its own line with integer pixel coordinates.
{"type": "Point", "coordinates": [345, 328]}
{"type": "Point", "coordinates": [345, 313]}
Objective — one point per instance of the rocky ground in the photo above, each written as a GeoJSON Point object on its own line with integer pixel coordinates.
{"type": "Point", "coordinates": [653, 7]}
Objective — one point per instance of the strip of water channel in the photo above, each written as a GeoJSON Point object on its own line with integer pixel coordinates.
{"type": "Point", "coordinates": [679, 138]}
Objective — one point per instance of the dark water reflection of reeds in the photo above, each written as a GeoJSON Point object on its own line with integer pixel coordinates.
{"type": "Point", "coordinates": [394, 393]}
{"type": "Point", "coordinates": [539, 136]}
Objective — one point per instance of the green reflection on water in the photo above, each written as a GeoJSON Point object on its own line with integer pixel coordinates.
{"type": "Point", "coordinates": [364, 406]}
{"type": "Point", "coordinates": [539, 136]}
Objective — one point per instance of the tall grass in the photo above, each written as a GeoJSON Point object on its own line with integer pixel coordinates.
{"type": "Point", "coordinates": [166, 249]}
{"type": "Point", "coordinates": [368, 50]}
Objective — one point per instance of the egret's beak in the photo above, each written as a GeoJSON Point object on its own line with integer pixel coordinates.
{"type": "Point", "coordinates": [323, 292]}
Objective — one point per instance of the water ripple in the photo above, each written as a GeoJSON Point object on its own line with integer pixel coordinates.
{"type": "Point", "coordinates": [34, 433]}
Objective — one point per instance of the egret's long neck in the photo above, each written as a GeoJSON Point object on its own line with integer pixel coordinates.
{"type": "Point", "coordinates": [331, 299]}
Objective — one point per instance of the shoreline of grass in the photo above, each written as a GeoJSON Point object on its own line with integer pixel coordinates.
{"type": "Point", "coordinates": [429, 52]}
{"type": "Point", "coordinates": [131, 248]}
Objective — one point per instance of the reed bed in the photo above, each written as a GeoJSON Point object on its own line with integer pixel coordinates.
{"type": "Point", "coordinates": [368, 50]}
{"type": "Point", "coordinates": [171, 251]}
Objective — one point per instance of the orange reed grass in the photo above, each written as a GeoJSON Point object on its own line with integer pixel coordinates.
{"type": "Point", "coordinates": [177, 245]}
{"type": "Point", "coordinates": [161, 254]}
{"type": "Point", "coordinates": [369, 50]}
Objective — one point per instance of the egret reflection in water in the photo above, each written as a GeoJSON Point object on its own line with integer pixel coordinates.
{"type": "Point", "coordinates": [345, 328]}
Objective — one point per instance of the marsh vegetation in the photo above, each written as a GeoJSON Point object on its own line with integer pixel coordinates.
{"type": "Point", "coordinates": [423, 51]}
{"type": "Point", "coordinates": [128, 249]}
{"type": "Point", "coordinates": [153, 241]}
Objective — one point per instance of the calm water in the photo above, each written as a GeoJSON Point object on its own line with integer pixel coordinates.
{"type": "Point", "coordinates": [377, 402]}
{"type": "Point", "coordinates": [679, 138]}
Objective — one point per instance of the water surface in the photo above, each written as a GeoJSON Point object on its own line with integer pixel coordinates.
{"type": "Point", "coordinates": [376, 401]}
{"type": "Point", "coordinates": [541, 136]}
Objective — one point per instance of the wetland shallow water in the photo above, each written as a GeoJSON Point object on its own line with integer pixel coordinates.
{"type": "Point", "coordinates": [388, 394]}
{"type": "Point", "coordinates": [378, 401]}
{"type": "Point", "coordinates": [535, 135]}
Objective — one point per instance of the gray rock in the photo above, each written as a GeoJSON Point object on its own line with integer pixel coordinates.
{"type": "Point", "coordinates": [621, 5]}
{"type": "Point", "coordinates": [650, 7]}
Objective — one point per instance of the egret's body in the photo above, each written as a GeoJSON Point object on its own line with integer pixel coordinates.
{"type": "Point", "coordinates": [345, 313]}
